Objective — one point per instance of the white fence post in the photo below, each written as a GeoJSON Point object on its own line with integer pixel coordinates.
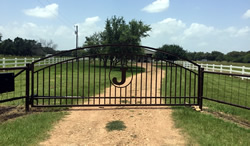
{"type": "Point", "coordinates": [3, 62]}
{"type": "Point", "coordinates": [213, 67]}
{"type": "Point", "coordinates": [221, 68]}
{"type": "Point", "coordinates": [15, 62]}
{"type": "Point", "coordinates": [243, 70]}
{"type": "Point", "coordinates": [33, 59]}
{"type": "Point", "coordinates": [39, 62]}
{"type": "Point", "coordinates": [207, 68]}
{"type": "Point", "coordinates": [25, 61]}
{"type": "Point", "coordinates": [231, 69]}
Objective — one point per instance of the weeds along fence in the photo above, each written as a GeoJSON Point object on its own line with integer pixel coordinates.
{"type": "Point", "coordinates": [17, 62]}
{"type": "Point", "coordinates": [225, 84]}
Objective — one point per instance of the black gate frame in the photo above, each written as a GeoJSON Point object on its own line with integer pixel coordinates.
{"type": "Point", "coordinates": [30, 99]}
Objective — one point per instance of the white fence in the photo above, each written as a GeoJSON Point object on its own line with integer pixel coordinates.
{"type": "Point", "coordinates": [23, 61]}
{"type": "Point", "coordinates": [217, 68]}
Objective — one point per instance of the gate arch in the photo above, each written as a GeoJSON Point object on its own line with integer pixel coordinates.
{"type": "Point", "coordinates": [114, 79]}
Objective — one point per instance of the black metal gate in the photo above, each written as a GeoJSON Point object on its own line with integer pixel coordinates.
{"type": "Point", "coordinates": [114, 79]}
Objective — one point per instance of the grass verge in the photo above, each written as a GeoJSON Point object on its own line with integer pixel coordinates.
{"type": "Point", "coordinates": [28, 130]}
{"type": "Point", "coordinates": [206, 129]}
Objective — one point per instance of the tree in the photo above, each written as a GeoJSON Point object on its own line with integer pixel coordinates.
{"type": "Point", "coordinates": [1, 37]}
{"type": "Point", "coordinates": [172, 49]}
{"type": "Point", "coordinates": [118, 32]}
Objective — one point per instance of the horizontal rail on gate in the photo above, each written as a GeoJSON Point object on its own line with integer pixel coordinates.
{"type": "Point", "coordinates": [219, 101]}
{"type": "Point", "coordinates": [107, 97]}
{"type": "Point", "coordinates": [13, 68]}
{"type": "Point", "coordinates": [79, 105]}
{"type": "Point", "coordinates": [12, 99]}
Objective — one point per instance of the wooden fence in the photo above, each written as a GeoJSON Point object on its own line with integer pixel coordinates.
{"type": "Point", "coordinates": [17, 62]}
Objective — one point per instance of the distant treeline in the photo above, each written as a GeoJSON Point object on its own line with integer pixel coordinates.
{"type": "Point", "coordinates": [234, 56]}
{"type": "Point", "coordinates": [25, 47]}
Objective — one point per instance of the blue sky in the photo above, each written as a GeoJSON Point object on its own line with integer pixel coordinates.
{"type": "Point", "coordinates": [196, 25]}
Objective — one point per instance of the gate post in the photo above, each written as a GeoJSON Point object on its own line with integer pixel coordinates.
{"type": "Point", "coordinates": [27, 99]}
{"type": "Point", "coordinates": [201, 77]}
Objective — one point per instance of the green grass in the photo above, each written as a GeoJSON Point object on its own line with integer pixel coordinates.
{"type": "Point", "coordinates": [28, 130]}
{"type": "Point", "coordinates": [115, 125]}
{"type": "Point", "coordinates": [206, 129]}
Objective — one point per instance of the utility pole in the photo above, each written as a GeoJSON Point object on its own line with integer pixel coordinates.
{"type": "Point", "coordinates": [76, 32]}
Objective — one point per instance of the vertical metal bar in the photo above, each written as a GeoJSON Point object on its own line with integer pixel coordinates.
{"type": "Point", "coordinates": [55, 87]}
{"type": "Point", "coordinates": [175, 88]}
{"type": "Point", "coordinates": [151, 82]}
{"type": "Point", "coordinates": [77, 88]}
{"type": "Point", "coordinates": [110, 67]}
{"type": "Point", "coordinates": [83, 72]}
{"type": "Point", "coordinates": [27, 99]}
{"type": "Point", "coordinates": [146, 85]}
{"type": "Point", "coordinates": [136, 80]}
{"type": "Point", "coordinates": [156, 68]}
{"type": "Point", "coordinates": [195, 87]}
{"type": "Point", "coordinates": [43, 86]}
{"type": "Point", "coordinates": [72, 83]}
{"type": "Point", "coordinates": [105, 66]}
{"type": "Point", "coordinates": [43, 82]}
{"type": "Point", "coordinates": [94, 82]}
{"type": "Point", "coordinates": [37, 78]}
{"type": "Point", "coordinates": [185, 87]}
{"type": "Point", "coordinates": [171, 76]}
{"type": "Point", "coordinates": [180, 84]}
{"type": "Point", "coordinates": [132, 81]}
{"type": "Point", "coordinates": [31, 66]}
{"type": "Point", "coordinates": [189, 86]}
{"type": "Point", "coordinates": [201, 88]}
{"type": "Point", "coordinates": [141, 79]}
{"type": "Point", "coordinates": [166, 82]}
{"type": "Point", "coordinates": [89, 82]}
{"type": "Point", "coordinates": [161, 85]}
{"type": "Point", "coordinates": [60, 83]}
{"type": "Point", "coordinates": [100, 80]}
{"type": "Point", "coordinates": [49, 81]}
{"type": "Point", "coordinates": [67, 82]}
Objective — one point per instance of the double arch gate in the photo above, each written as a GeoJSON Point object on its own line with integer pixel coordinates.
{"type": "Point", "coordinates": [114, 79]}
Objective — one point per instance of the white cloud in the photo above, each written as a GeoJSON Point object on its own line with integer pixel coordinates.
{"type": "Point", "coordinates": [89, 26]}
{"type": "Point", "coordinates": [92, 20]}
{"type": "Point", "coordinates": [198, 30]}
{"type": "Point", "coordinates": [198, 37]}
{"type": "Point", "coordinates": [48, 11]}
{"type": "Point", "coordinates": [246, 15]}
{"type": "Point", "coordinates": [157, 6]}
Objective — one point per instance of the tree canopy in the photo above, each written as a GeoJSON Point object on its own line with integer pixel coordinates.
{"type": "Point", "coordinates": [24, 47]}
{"type": "Point", "coordinates": [172, 49]}
{"type": "Point", "coordinates": [118, 32]}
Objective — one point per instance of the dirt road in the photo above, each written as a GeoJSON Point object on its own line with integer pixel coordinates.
{"type": "Point", "coordinates": [145, 125]}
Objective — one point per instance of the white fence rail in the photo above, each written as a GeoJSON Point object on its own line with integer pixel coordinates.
{"type": "Point", "coordinates": [15, 62]}
{"type": "Point", "coordinates": [217, 68]}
